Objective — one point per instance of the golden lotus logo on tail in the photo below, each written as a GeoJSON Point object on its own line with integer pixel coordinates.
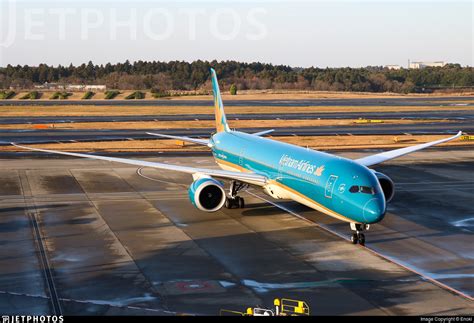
{"type": "Point", "coordinates": [219, 122]}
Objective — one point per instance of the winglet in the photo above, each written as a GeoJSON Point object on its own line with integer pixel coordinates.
{"type": "Point", "coordinates": [221, 121]}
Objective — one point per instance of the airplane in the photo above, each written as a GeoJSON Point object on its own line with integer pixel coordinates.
{"type": "Point", "coordinates": [348, 190]}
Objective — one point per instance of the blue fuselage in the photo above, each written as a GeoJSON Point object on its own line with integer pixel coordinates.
{"type": "Point", "coordinates": [334, 185]}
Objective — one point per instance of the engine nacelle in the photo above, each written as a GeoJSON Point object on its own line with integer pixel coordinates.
{"type": "Point", "coordinates": [388, 187]}
{"type": "Point", "coordinates": [207, 194]}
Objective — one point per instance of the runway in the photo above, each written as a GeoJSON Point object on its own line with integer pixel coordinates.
{"type": "Point", "coordinates": [65, 135]}
{"type": "Point", "coordinates": [411, 101]}
{"type": "Point", "coordinates": [409, 115]}
{"type": "Point", "coordinates": [119, 243]}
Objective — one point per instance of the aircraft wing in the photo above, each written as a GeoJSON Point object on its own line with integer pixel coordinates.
{"type": "Point", "coordinates": [251, 178]}
{"type": "Point", "coordinates": [380, 158]}
{"type": "Point", "coordinates": [193, 140]}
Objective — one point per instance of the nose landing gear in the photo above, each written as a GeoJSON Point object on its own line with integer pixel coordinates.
{"type": "Point", "coordinates": [358, 236]}
{"type": "Point", "coordinates": [234, 200]}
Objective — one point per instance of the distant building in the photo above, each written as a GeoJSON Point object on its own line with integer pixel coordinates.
{"type": "Point", "coordinates": [84, 87]}
{"type": "Point", "coordinates": [50, 86]}
{"type": "Point", "coordinates": [393, 67]}
{"type": "Point", "coordinates": [418, 65]}
{"type": "Point", "coordinates": [96, 87]}
{"type": "Point", "coordinates": [70, 87]}
{"type": "Point", "coordinates": [74, 87]}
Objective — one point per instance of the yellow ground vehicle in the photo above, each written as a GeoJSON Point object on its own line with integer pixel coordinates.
{"type": "Point", "coordinates": [282, 307]}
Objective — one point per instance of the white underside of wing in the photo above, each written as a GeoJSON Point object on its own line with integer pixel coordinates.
{"type": "Point", "coordinates": [379, 158]}
{"type": "Point", "coordinates": [250, 178]}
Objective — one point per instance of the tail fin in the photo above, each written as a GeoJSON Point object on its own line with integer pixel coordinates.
{"type": "Point", "coordinates": [221, 122]}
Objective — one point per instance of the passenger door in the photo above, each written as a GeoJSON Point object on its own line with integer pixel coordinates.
{"type": "Point", "coordinates": [242, 157]}
{"type": "Point", "coordinates": [331, 182]}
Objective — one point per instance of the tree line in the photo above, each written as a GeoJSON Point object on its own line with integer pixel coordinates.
{"type": "Point", "coordinates": [185, 76]}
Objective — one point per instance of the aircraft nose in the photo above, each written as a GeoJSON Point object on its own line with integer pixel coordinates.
{"type": "Point", "coordinates": [374, 210]}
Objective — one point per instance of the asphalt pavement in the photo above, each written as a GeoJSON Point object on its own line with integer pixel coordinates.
{"type": "Point", "coordinates": [120, 243]}
{"type": "Point", "coordinates": [65, 135]}
{"type": "Point", "coordinates": [412, 101]}
{"type": "Point", "coordinates": [444, 114]}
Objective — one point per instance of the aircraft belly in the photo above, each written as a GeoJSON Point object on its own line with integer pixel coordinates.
{"type": "Point", "coordinates": [309, 203]}
{"type": "Point", "coordinates": [276, 192]}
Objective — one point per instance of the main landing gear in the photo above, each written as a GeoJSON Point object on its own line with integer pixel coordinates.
{"type": "Point", "coordinates": [358, 236]}
{"type": "Point", "coordinates": [234, 200]}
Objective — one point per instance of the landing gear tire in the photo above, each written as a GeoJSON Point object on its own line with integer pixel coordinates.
{"type": "Point", "coordinates": [237, 202]}
{"type": "Point", "coordinates": [361, 239]}
{"type": "Point", "coordinates": [357, 236]}
{"type": "Point", "coordinates": [241, 202]}
{"type": "Point", "coordinates": [229, 203]}
{"type": "Point", "coordinates": [354, 238]}
{"type": "Point", "coordinates": [234, 199]}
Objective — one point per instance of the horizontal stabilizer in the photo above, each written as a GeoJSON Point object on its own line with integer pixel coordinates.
{"type": "Point", "coordinates": [261, 133]}
{"type": "Point", "coordinates": [203, 142]}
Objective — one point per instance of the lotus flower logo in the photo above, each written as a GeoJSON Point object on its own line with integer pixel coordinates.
{"type": "Point", "coordinates": [319, 171]}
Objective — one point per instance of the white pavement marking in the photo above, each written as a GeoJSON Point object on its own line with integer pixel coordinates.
{"type": "Point", "coordinates": [139, 172]}
{"type": "Point", "coordinates": [101, 302]}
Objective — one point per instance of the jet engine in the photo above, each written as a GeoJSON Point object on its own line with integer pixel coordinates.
{"type": "Point", "coordinates": [388, 187]}
{"type": "Point", "coordinates": [207, 194]}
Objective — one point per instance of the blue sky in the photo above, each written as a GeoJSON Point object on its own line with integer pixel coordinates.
{"type": "Point", "coordinates": [297, 33]}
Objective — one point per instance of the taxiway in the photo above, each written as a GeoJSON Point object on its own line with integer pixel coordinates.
{"type": "Point", "coordinates": [93, 237]}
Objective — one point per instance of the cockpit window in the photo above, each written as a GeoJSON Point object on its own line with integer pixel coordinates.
{"type": "Point", "coordinates": [354, 189]}
{"type": "Point", "coordinates": [367, 190]}
{"type": "Point", "coordinates": [362, 189]}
